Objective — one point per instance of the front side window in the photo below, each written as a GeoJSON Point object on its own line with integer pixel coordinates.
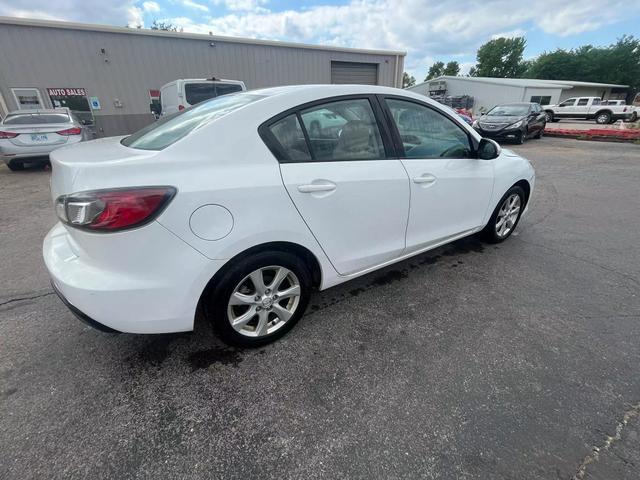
{"type": "Point", "coordinates": [568, 103]}
{"type": "Point", "coordinates": [170, 129]}
{"type": "Point", "coordinates": [343, 130]}
{"type": "Point", "coordinates": [583, 102]}
{"type": "Point", "coordinates": [426, 133]}
{"type": "Point", "coordinates": [289, 135]}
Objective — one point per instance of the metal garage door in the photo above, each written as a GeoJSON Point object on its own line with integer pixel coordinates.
{"type": "Point", "coordinates": [351, 72]}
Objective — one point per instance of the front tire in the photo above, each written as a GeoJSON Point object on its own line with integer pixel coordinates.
{"type": "Point", "coordinates": [549, 115]}
{"type": "Point", "coordinates": [521, 138]}
{"type": "Point", "coordinates": [15, 165]}
{"type": "Point", "coordinates": [259, 299]}
{"type": "Point", "coordinates": [506, 216]}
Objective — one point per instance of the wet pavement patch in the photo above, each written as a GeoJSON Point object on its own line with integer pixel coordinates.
{"type": "Point", "coordinates": [216, 355]}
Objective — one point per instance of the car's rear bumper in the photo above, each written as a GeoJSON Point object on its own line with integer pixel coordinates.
{"type": "Point", "coordinates": [83, 317]}
{"type": "Point", "coordinates": [141, 281]}
{"type": "Point", "coordinates": [9, 151]}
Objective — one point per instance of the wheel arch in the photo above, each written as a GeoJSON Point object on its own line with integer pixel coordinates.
{"type": "Point", "coordinates": [604, 110]}
{"type": "Point", "coordinates": [287, 247]}
{"type": "Point", "coordinates": [526, 186]}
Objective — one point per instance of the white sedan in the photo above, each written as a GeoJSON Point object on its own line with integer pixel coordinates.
{"type": "Point", "coordinates": [29, 136]}
{"type": "Point", "coordinates": [239, 205]}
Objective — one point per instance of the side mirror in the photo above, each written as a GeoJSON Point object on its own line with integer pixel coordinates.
{"type": "Point", "coordinates": [488, 149]}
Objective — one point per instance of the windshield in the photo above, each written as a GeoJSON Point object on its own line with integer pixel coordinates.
{"type": "Point", "coordinates": [36, 118]}
{"type": "Point", "coordinates": [509, 111]}
{"type": "Point", "coordinates": [170, 129]}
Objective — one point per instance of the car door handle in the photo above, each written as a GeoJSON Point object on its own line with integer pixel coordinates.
{"type": "Point", "coordinates": [425, 179]}
{"type": "Point", "coordinates": [316, 187]}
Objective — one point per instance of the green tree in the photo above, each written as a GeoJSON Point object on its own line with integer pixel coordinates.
{"type": "Point", "coordinates": [166, 26]}
{"type": "Point", "coordinates": [435, 70]}
{"type": "Point", "coordinates": [501, 57]}
{"type": "Point", "coordinates": [617, 63]}
{"type": "Point", "coordinates": [408, 80]}
{"type": "Point", "coordinates": [452, 69]}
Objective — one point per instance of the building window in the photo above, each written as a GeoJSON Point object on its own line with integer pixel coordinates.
{"type": "Point", "coordinates": [75, 99]}
{"type": "Point", "coordinates": [541, 100]}
{"type": "Point", "coordinates": [27, 98]}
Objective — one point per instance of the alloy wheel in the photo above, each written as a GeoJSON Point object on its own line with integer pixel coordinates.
{"type": "Point", "coordinates": [508, 215]}
{"type": "Point", "coordinates": [264, 301]}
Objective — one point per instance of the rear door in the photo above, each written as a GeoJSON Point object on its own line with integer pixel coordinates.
{"type": "Point", "coordinates": [337, 166]}
{"type": "Point", "coordinates": [450, 188]}
{"type": "Point", "coordinates": [581, 108]}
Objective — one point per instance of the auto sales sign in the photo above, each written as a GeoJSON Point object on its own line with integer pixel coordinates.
{"type": "Point", "coordinates": [66, 92]}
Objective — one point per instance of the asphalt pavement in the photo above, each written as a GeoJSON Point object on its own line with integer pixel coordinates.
{"type": "Point", "coordinates": [473, 361]}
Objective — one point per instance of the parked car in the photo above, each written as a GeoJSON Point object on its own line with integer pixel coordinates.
{"type": "Point", "coordinates": [180, 94]}
{"type": "Point", "coordinates": [512, 121]}
{"type": "Point", "coordinates": [588, 108]}
{"type": "Point", "coordinates": [29, 136]}
{"type": "Point", "coordinates": [634, 115]}
{"type": "Point", "coordinates": [233, 206]}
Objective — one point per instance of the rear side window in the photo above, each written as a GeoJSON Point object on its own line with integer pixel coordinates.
{"type": "Point", "coordinates": [289, 135]}
{"type": "Point", "coordinates": [40, 118]}
{"type": "Point", "coordinates": [199, 92]}
{"type": "Point", "coordinates": [596, 101]}
{"type": "Point", "coordinates": [343, 130]}
{"type": "Point", "coordinates": [168, 130]}
{"type": "Point", "coordinates": [583, 101]}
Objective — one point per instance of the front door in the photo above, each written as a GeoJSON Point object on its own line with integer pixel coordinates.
{"type": "Point", "coordinates": [354, 199]}
{"type": "Point", "coordinates": [450, 190]}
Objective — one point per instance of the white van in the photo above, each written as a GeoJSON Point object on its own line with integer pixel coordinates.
{"type": "Point", "coordinates": [182, 93]}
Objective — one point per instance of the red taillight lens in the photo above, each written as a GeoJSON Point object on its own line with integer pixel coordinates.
{"type": "Point", "coordinates": [180, 107]}
{"type": "Point", "coordinates": [70, 131]}
{"type": "Point", "coordinates": [113, 210]}
{"type": "Point", "coordinates": [8, 134]}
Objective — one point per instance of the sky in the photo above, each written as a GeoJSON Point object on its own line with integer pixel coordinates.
{"type": "Point", "coordinates": [428, 30]}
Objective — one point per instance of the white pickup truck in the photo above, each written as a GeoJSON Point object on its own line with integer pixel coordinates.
{"type": "Point", "coordinates": [589, 108]}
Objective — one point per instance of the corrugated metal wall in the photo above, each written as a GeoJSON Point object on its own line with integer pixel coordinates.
{"type": "Point", "coordinates": [123, 67]}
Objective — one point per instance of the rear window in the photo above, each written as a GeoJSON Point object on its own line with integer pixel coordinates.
{"type": "Point", "coordinates": [36, 118]}
{"type": "Point", "coordinates": [199, 92]}
{"type": "Point", "coordinates": [170, 129]}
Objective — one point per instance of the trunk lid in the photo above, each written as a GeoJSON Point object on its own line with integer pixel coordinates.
{"type": "Point", "coordinates": [100, 163]}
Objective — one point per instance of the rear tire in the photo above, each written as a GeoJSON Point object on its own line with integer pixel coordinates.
{"type": "Point", "coordinates": [15, 165]}
{"type": "Point", "coordinates": [506, 216]}
{"type": "Point", "coordinates": [263, 313]}
{"type": "Point", "coordinates": [539, 134]}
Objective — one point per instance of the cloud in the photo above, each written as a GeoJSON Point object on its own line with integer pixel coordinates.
{"type": "Point", "coordinates": [150, 7]}
{"type": "Point", "coordinates": [426, 29]}
{"type": "Point", "coordinates": [195, 5]}
{"type": "Point", "coordinates": [518, 32]}
{"type": "Point", "coordinates": [255, 6]}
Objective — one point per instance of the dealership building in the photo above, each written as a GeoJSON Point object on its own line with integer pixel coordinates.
{"type": "Point", "coordinates": [488, 92]}
{"type": "Point", "coordinates": [111, 75]}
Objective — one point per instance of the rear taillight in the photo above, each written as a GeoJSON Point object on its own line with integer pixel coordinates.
{"type": "Point", "coordinates": [70, 131]}
{"type": "Point", "coordinates": [113, 210]}
{"type": "Point", "coordinates": [180, 107]}
{"type": "Point", "coordinates": [8, 134]}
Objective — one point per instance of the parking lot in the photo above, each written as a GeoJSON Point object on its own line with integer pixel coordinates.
{"type": "Point", "coordinates": [505, 361]}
